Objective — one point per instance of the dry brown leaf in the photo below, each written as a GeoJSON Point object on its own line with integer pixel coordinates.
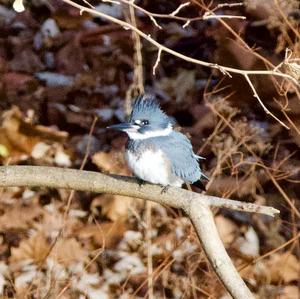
{"type": "Point", "coordinates": [226, 228]}
{"type": "Point", "coordinates": [114, 207]}
{"type": "Point", "coordinates": [51, 223]}
{"type": "Point", "coordinates": [246, 273]}
{"type": "Point", "coordinates": [290, 292]}
{"type": "Point", "coordinates": [20, 136]}
{"type": "Point", "coordinates": [112, 162]}
{"type": "Point", "coordinates": [16, 83]}
{"type": "Point", "coordinates": [19, 216]}
{"type": "Point", "coordinates": [70, 59]}
{"type": "Point", "coordinates": [35, 248]}
{"type": "Point", "coordinates": [106, 234]}
{"type": "Point", "coordinates": [68, 251]}
{"type": "Point", "coordinates": [283, 268]}
{"type": "Point", "coordinates": [117, 209]}
{"type": "Point", "coordinates": [26, 61]}
{"type": "Point", "coordinates": [70, 21]}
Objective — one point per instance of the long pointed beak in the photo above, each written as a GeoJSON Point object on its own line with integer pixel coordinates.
{"type": "Point", "coordinates": [121, 127]}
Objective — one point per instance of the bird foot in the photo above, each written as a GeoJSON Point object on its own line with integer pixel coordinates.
{"type": "Point", "coordinates": [140, 182]}
{"type": "Point", "coordinates": [164, 189]}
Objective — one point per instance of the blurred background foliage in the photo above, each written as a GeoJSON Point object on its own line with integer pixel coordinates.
{"type": "Point", "coordinates": [66, 76]}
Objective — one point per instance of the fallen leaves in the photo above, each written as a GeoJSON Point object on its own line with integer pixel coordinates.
{"type": "Point", "coordinates": [282, 268]}
{"type": "Point", "coordinates": [114, 207]}
{"type": "Point", "coordinates": [61, 68]}
{"type": "Point", "coordinates": [112, 162]}
{"type": "Point", "coordinates": [104, 235]}
{"type": "Point", "coordinates": [19, 136]}
{"type": "Point", "coordinates": [290, 292]}
{"type": "Point", "coordinates": [19, 216]}
{"type": "Point", "coordinates": [227, 229]}
{"type": "Point", "coordinates": [15, 83]}
{"type": "Point", "coordinates": [68, 251]}
{"type": "Point", "coordinates": [34, 249]}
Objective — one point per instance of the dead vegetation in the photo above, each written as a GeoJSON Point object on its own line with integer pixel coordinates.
{"type": "Point", "coordinates": [62, 71]}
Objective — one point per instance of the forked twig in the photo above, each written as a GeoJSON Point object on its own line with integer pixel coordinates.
{"type": "Point", "coordinates": [224, 69]}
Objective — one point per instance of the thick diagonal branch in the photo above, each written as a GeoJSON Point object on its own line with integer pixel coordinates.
{"type": "Point", "coordinates": [195, 205]}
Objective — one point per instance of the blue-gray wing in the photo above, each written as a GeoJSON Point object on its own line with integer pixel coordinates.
{"type": "Point", "coordinates": [183, 161]}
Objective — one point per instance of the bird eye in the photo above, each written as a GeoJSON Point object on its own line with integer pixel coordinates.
{"type": "Point", "coordinates": [144, 122]}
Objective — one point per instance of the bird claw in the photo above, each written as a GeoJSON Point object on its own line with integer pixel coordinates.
{"type": "Point", "coordinates": [140, 182]}
{"type": "Point", "coordinates": [164, 189]}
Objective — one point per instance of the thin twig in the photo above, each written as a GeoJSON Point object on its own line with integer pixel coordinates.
{"type": "Point", "coordinates": [224, 69]}
{"type": "Point", "coordinates": [229, 5]}
{"type": "Point", "coordinates": [177, 54]}
{"type": "Point", "coordinates": [83, 163]}
{"type": "Point", "coordinates": [296, 32]}
{"type": "Point", "coordinates": [174, 15]}
{"type": "Point", "coordinates": [208, 16]}
{"type": "Point", "coordinates": [271, 252]}
{"type": "Point", "coordinates": [89, 4]}
{"type": "Point", "coordinates": [155, 22]}
{"type": "Point", "coordinates": [138, 83]}
{"type": "Point", "coordinates": [177, 10]}
{"type": "Point", "coordinates": [267, 111]}
{"type": "Point", "coordinates": [156, 62]}
{"type": "Point", "coordinates": [149, 248]}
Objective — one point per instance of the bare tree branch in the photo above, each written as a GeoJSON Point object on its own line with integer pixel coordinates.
{"type": "Point", "coordinates": [174, 15]}
{"type": "Point", "coordinates": [195, 205]}
{"type": "Point", "coordinates": [54, 177]}
{"type": "Point", "coordinates": [203, 221]}
{"type": "Point", "coordinates": [209, 14]}
{"type": "Point", "coordinates": [223, 69]}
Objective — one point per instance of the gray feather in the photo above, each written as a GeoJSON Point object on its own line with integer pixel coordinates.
{"type": "Point", "coordinates": [183, 160]}
{"type": "Point", "coordinates": [179, 152]}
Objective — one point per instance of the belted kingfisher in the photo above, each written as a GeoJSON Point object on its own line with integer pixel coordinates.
{"type": "Point", "coordinates": [154, 151]}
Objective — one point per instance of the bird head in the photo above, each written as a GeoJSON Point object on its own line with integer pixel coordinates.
{"type": "Point", "coordinates": [146, 120]}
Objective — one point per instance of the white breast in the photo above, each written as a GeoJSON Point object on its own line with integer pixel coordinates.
{"type": "Point", "coordinates": [151, 166]}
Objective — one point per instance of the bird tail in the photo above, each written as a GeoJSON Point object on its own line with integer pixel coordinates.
{"type": "Point", "coordinates": [199, 157]}
{"type": "Point", "coordinates": [204, 176]}
{"type": "Point", "coordinates": [199, 183]}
